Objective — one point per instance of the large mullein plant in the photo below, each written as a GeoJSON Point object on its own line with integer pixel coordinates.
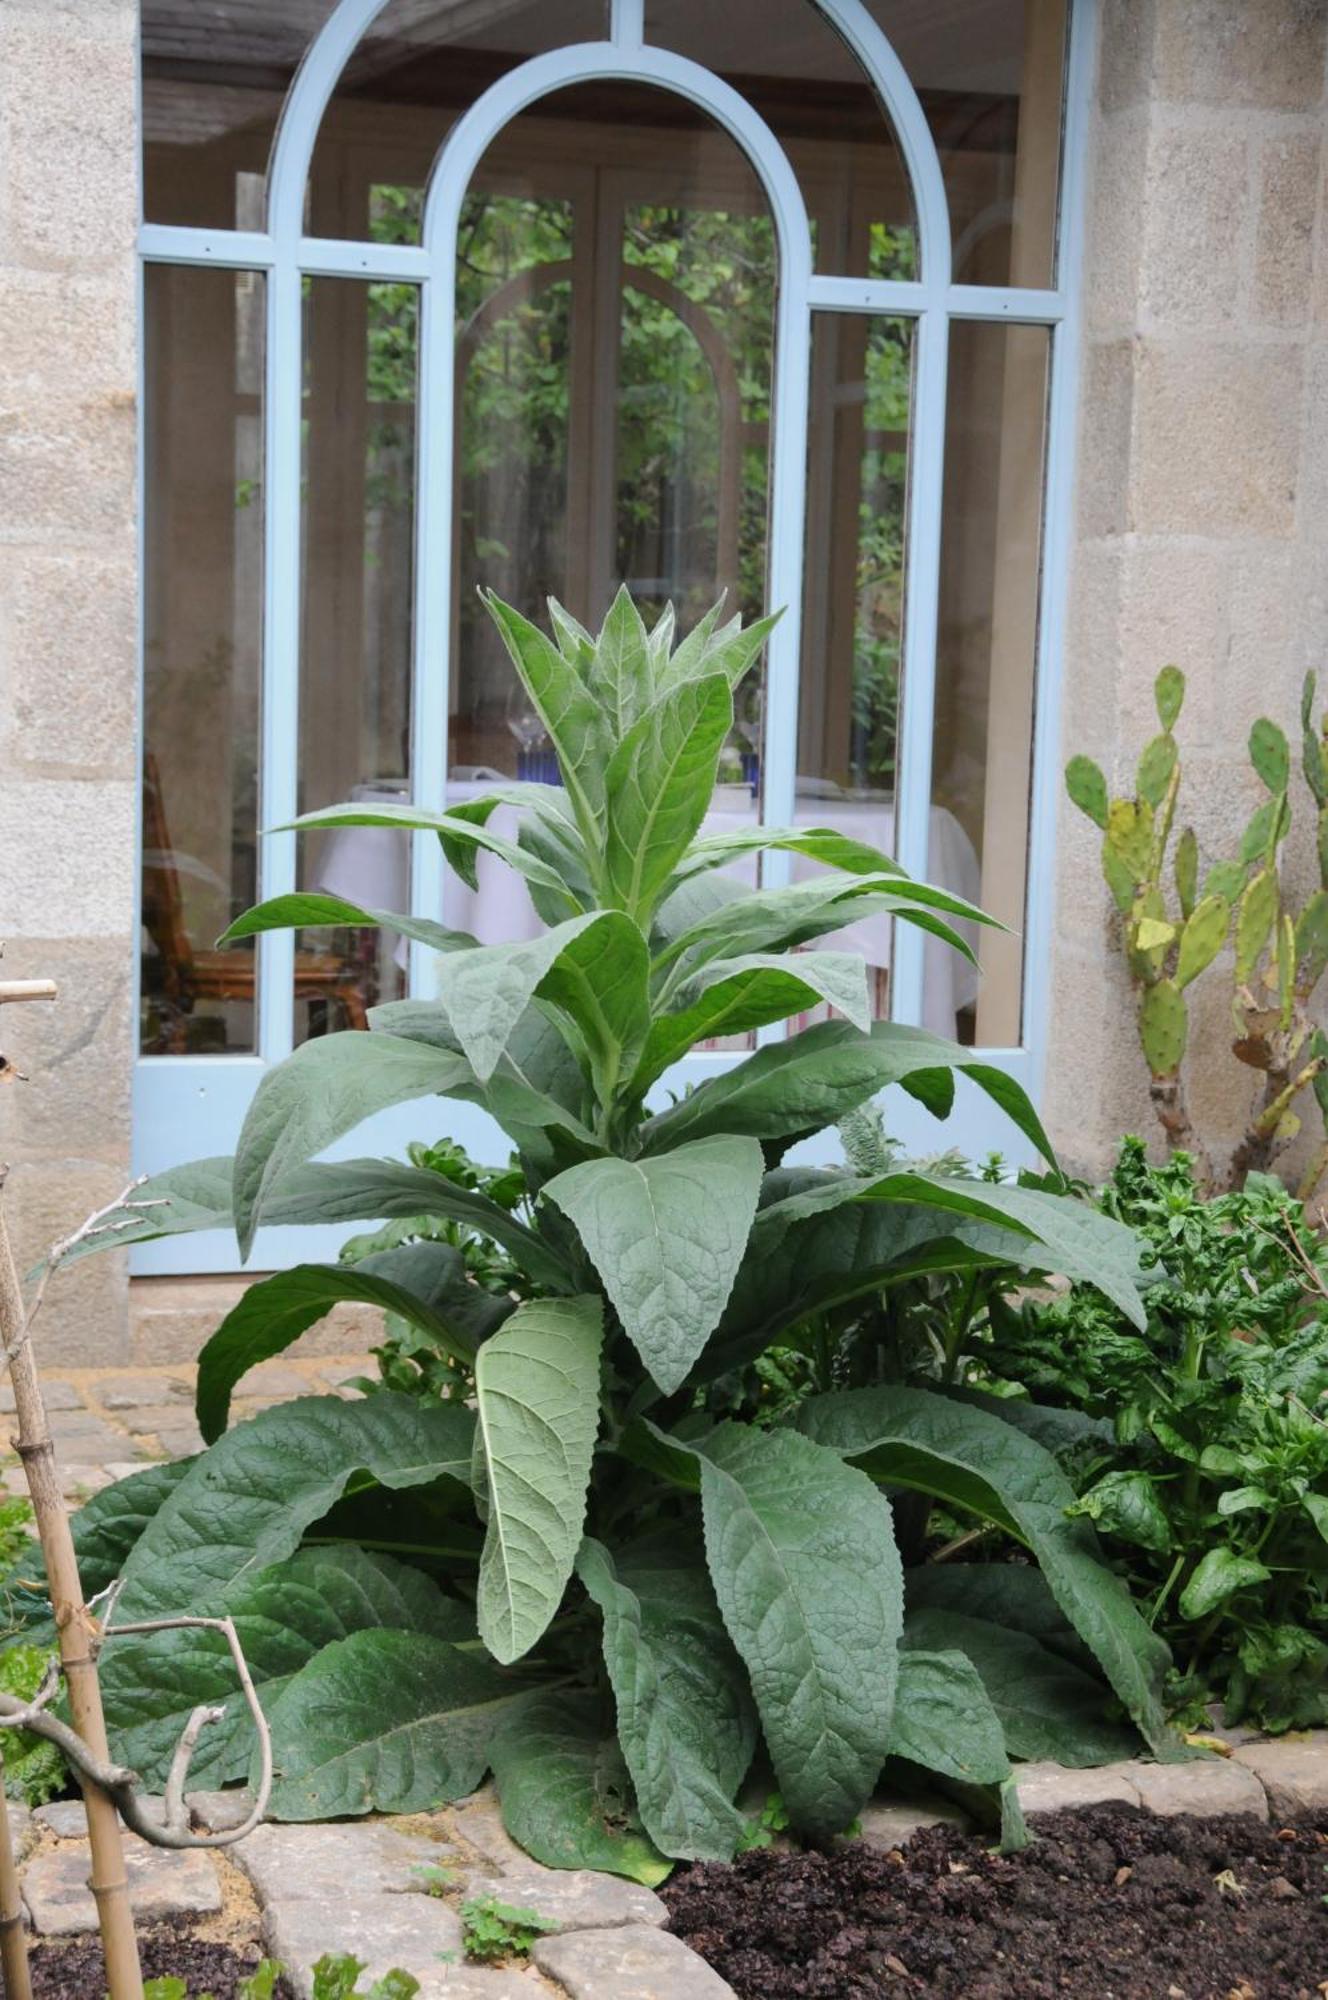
{"type": "Point", "coordinates": [571, 1575]}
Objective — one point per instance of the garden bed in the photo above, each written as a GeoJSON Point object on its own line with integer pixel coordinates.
{"type": "Point", "coordinates": [73, 1968]}
{"type": "Point", "coordinates": [1108, 1903]}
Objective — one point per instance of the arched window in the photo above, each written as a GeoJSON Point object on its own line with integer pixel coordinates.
{"type": "Point", "coordinates": [774, 299]}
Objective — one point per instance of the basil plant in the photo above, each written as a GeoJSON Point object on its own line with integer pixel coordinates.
{"type": "Point", "coordinates": [573, 1574]}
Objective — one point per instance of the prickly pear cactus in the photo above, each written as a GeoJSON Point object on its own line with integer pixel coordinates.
{"type": "Point", "coordinates": [1172, 930]}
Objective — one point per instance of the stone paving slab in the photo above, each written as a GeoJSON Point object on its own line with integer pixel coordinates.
{"type": "Point", "coordinates": [1293, 1772]}
{"type": "Point", "coordinates": [291, 1864]}
{"type": "Point", "coordinates": [630, 1963]}
{"type": "Point", "coordinates": [1046, 1787]}
{"type": "Point", "coordinates": [1207, 1787]}
{"type": "Point", "coordinates": [382, 1930]}
{"type": "Point", "coordinates": [161, 1884]}
{"type": "Point", "coordinates": [885, 1825]}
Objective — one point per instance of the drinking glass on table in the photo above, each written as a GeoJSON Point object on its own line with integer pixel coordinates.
{"type": "Point", "coordinates": [524, 721]}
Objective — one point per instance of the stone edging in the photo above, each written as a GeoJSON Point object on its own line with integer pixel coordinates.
{"type": "Point", "coordinates": [356, 1885]}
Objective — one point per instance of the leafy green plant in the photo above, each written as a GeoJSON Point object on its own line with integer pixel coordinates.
{"type": "Point", "coordinates": [34, 1769]}
{"type": "Point", "coordinates": [585, 1579]}
{"type": "Point", "coordinates": [336, 1977]}
{"type": "Point", "coordinates": [1212, 1487]}
{"type": "Point", "coordinates": [1172, 930]}
{"type": "Point", "coordinates": [260, 1984]}
{"type": "Point", "coordinates": [491, 1930]}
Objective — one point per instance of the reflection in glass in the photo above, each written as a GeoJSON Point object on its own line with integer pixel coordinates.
{"type": "Point", "coordinates": [214, 79]}
{"type": "Point", "coordinates": [361, 359]}
{"type": "Point", "coordinates": [791, 64]}
{"type": "Point", "coordinates": [990, 74]}
{"type": "Point", "coordinates": [853, 603]}
{"type": "Point", "coordinates": [202, 644]}
{"type": "Point", "coordinates": [987, 639]}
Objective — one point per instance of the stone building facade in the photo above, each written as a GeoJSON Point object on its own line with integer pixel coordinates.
{"type": "Point", "coordinates": [1199, 536]}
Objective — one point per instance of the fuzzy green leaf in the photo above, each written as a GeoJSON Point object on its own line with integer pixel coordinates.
{"type": "Point", "coordinates": [486, 992]}
{"type": "Point", "coordinates": [944, 1719]}
{"type": "Point", "coordinates": [685, 1718]}
{"type": "Point", "coordinates": [537, 1395]}
{"type": "Point", "coordinates": [659, 785]}
{"type": "Point", "coordinates": [802, 1556]}
{"type": "Point", "coordinates": [970, 1459]}
{"type": "Point", "coordinates": [247, 1502]}
{"type": "Point", "coordinates": [385, 1721]}
{"type": "Point", "coordinates": [310, 913]}
{"type": "Point", "coordinates": [576, 723]}
{"type": "Point", "coordinates": [729, 996]}
{"type": "Point", "coordinates": [555, 1766]}
{"type": "Point", "coordinates": [425, 1283]}
{"type": "Point", "coordinates": [620, 671]}
{"type": "Point", "coordinates": [666, 1235]}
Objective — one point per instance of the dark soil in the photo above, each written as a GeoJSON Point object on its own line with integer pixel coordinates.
{"type": "Point", "coordinates": [74, 1969]}
{"type": "Point", "coordinates": [1108, 1903]}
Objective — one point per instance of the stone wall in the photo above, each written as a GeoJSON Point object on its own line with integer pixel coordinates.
{"type": "Point", "coordinates": [1202, 505]}
{"type": "Point", "coordinates": [68, 611]}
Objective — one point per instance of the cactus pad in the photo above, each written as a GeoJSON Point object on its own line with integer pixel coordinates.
{"type": "Point", "coordinates": [1130, 835]}
{"type": "Point", "coordinates": [1169, 693]}
{"type": "Point", "coordinates": [1155, 768]}
{"type": "Point", "coordinates": [1286, 968]}
{"type": "Point", "coordinates": [1202, 938]}
{"type": "Point", "coordinates": [1225, 878]}
{"type": "Point", "coordinates": [1312, 942]}
{"type": "Point", "coordinates": [1267, 826]}
{"type": "Point", "coordinates": [1118, 878]}
{"type": "Point", "coordinates": [1316, 769]}
{"type": "Point", "coordinates": [1148, 935]}
{"type": "Point", "coordinates": [1088, 789]}
{"type": "Point", "coordinates": [1269, 754]}
{"type": "Point", "coordinates": [1187, 871]}
{"type": "Point", "coordinates": [1163, 1024]}
{"type": "Point", "coordinates": [1255, 917]}
{"type": "Point", "coordinates": [1323, 847]}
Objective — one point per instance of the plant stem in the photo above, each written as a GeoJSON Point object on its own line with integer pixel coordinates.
{"type": "Point", "coordinates": [13, 1942]}
{"type": "Point", "coordinates": [77, 1630]}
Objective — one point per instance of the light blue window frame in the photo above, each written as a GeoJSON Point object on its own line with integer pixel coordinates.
{"type": "Point", "coordinates": [193, 1106]}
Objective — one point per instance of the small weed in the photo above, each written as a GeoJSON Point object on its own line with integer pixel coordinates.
{"type": "Point", "coordinates": [492, 1930]}
{"type": "Point", "coordinates": [338, 1979]}
{"type": "Point", "coordinates": [260, 1985]}
{"type": "Point", "coordinates": [436, 1881]}
{"type": "Point", "coordinates": [772, 1819]}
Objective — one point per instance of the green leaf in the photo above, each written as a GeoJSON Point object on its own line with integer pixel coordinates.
{"type": "Point", "coordinates": [602, 983]}
{"type": "Point", "coordinates": [685, 1720]}
{"type": "Point", "coordinates": [1169, 693]}
{"type": "Point", "coordinates": [577, 725]}
{"type": "Point", "coordinates": [554, 1769]}
{"type": "Point", "coordinates": [1155, 768]}
{"type": "Point", "coordinates": [803, 1560]}
{"type": "Point", "coordinates": [729, 650]}
{"type": "Point", "coordinates": [729, 996]}
{"type": "Point", "coordinates": [1219, 1576]}
{"type": "Point", "coordinates": [247, 1502]}
{"type": "Point", "coordinates": [1087, 788]}
{"type": "Point", "coordinates": [970, 1459]}
{"type": "Point", "coordinates": [620, 671]}
{"type": "Point", "coordinates": [537, 1394]}
{"type": "Point", "coordinates": [1047, 1706]}
{"type": "Point", "coordinates": [104, 1531]}
{"type": "Point", "coordinates": [767, 920]}
{"type": "Point", "coordinates": [284, 1616]}
{"type": "Point", "coordinates": [1076, 1239]}
{"type": "Point", "coordinates": [944, 1720]}
{"type": "Point", "coordinates": [453, 829]}
{"type": "Point", "coordinates": [425, 1283]}
{"type": "Point", "coordinates": [666, 1236]}
{"type": "Point", "coordinates": [802, 1085]}
{"type": "Point", "coordinates": [826, 844]}
{"type": "Point", "coordinates": [486, 992]}
{"type": "Point", "coordinates": [659, 785]}
{"type": "Point", "coordinates": [311, 913]}
{"type": "Point", "coordinates": [1126, 1504]}
{"type": "Point", "coordinates": [1187, 871]}
{"type": "Point", "coordinates": [1316, 1506]}
{"type": "Point", "coordinates": [326, 1088]}
{"type": "Point", "coordinates": [386, 1721]}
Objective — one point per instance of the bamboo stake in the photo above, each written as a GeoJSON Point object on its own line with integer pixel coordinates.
{"type": "Point", "coordinates": [13, 1940]}
{"type": "Point", "coordinates": [75, 1626]}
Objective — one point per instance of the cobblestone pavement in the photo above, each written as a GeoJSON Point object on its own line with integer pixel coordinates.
{"type": "Point", "coordinates": [108, 1422]}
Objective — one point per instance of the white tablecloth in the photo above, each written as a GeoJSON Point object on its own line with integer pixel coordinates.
{"type": "Point", "coordinates": [369, 865]}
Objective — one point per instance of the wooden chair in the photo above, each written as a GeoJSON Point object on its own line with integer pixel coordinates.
{"type": "Point", "coordinates": [189, 977]}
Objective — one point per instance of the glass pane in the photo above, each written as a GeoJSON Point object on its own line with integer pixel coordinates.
{"type": "Point", "coordinates": [615, 341]}
{"type": "Point", "coordinates": [990, 74]}
{"type": "Point", "coordinates": [853, 605]}
{"type": "Point", "coordinates": [202, 646]}
{"type": "Point", "coordinates": [419, 66]}
{"type": "Point", "coordinates": [355, 658]}
{"type": "Point", "coordinates": [796, 70]}
{"type": "Point", "coordinates": [987, 639]}
{"type": "Point", "coordinates": [214, 80]}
